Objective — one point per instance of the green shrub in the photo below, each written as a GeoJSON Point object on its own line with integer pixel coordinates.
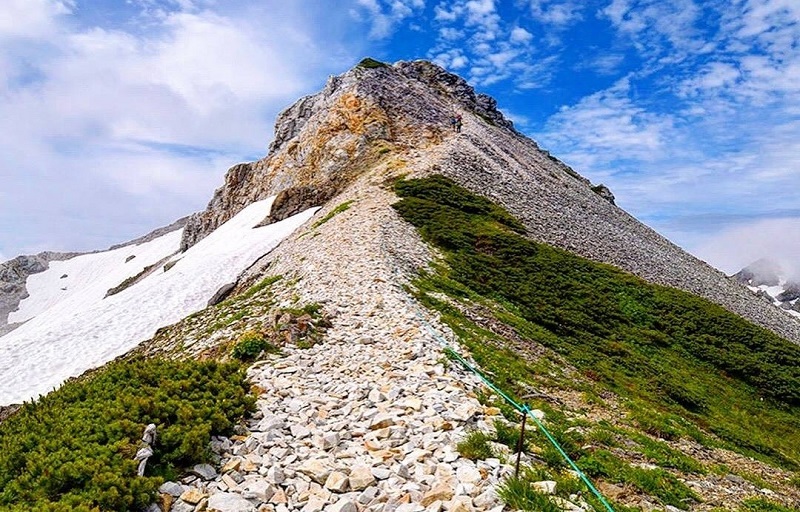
{"type": "Point", "coordinates": [250, 345]}
{"type": "Point", "coordinates": [73, 449]}
{"type": "Point", "coordinates": [336, 211]}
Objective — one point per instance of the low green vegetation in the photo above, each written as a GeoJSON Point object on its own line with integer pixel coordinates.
{"type": "Point", "coordinates": [370, 63]}
{"type": "Point", "coordinates": [72, 450]}
{"type": "Point", "coordinates": [761, 505]}
{"type": "Point", "coordinates": [250, 345]}
{"type": "Point", "coordinates": [336, 211]}
{"type": "Point", "coordinates": [519, 494]}
{"type": "Point", "coordinates": [683, 366]}
{"type": "Point", "coordinates": [476, 446]}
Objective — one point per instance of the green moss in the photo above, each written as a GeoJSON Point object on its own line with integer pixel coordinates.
{"type": "Point", "coordinates": [73, 449]}
{"type": "Point", "coordinates": [370, 63]}
{"type": "Point", "coordinates": [677, 359]}
{"type": "Point", "coordinates": [339, 209]}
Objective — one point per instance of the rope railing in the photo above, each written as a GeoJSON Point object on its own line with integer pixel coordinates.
{"type": "Point", "coordinates": [522, 409]}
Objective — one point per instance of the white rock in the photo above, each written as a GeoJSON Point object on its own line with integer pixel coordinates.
{"type": "Point", "coordinates": [229, 502]}
{"type": "Point", "coordinates": [343, 505]}
{"type": "Point", "coordinates": [360, 478]}
{"type": "Point", "coordinates": [468, 474]}
{"type": "Point", "coordinates": [381, 473]}
{"type": "Point", "coordinates": [314, 504]}
{"type": "Point", "coordinates": [259, 488]}
{"type": "Point", "coordinates": [315, 470]}
{"type": "Point", "coordinates": [337, 482]}
{"type": "Point", "coordinates": [275, 475]}
{"type": "Point", "coordinates": [299, 431]}
{"type": "Point", "coordinates": [546, 486]}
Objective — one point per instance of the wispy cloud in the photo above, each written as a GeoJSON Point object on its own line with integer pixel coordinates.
{"type": "Point", "coordinates": [491, 49]}
{"type": "Point", "coordinates": [385, 15]}
{"type": "Point", "coordinates": [560, 13]}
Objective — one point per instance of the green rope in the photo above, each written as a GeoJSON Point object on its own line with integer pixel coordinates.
{"type": "Point", "coordinates": [522, 409]}
{"type": "Point", "coordinates": [525, 410]}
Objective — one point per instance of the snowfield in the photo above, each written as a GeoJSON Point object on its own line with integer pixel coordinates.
{"type": "Point", "coordinates": [774, 291]}
{"type": "Point", "coordinates": [71, 328]}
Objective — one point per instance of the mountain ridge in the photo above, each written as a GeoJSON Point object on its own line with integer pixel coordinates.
{"type": "Point", "coordinates": [323, 141]}
{"type": "Point", "coordinates": [371, 416]}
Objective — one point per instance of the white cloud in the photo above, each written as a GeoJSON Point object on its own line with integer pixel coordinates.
{"type": "Point", "coordinates": [520, 35]}
{"type": "Point", "coordinates": [557, 12]}
{"type": "Point", "coordinates": [736, 247]}
{"type": "Point", "coordinates": [98, 122]}
{"type": "Point", "coordinates": [31, 18]}
{"type": "Point", "coordinates": [385, 15]}
{"type": "Point", "coordinates": [608, 126]}
{"type": "Point", "coordinates": [662, 31]}
{"type": "Point", "coordinates": [493, 49]}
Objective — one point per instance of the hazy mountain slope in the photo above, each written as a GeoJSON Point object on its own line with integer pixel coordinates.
{"type": "Point", "coordinates": [769, 281]}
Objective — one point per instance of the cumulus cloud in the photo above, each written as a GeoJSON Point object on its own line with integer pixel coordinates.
{"type": "Point", "coordinates": [110, 132]}
{"type": "Point", "coordinates": [490, 49]}
{"type": "Point", "coordinates": [31, 19]}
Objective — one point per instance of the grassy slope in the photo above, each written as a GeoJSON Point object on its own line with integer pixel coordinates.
{"type": "Point", "coordinates": [685, 365]}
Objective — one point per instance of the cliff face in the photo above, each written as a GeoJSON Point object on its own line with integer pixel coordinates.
{"type": "Point", "coordinates": [325, 142]}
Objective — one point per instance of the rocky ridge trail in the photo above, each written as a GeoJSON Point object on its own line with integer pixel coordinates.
{"type": "Point", "coordinates": [346, 428]}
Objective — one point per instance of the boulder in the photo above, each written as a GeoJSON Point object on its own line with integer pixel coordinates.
{"type": "Point", "coordinates": [229, 502]}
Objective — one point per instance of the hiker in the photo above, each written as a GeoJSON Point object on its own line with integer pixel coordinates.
{"type": "Point", "coordinates": [457, 123]}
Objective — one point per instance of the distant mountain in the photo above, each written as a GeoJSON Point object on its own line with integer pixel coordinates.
{"type": "Point", "coordinates": [768, 280]}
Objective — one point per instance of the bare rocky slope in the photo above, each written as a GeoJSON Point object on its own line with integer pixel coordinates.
{"type": "Point", "coordinates": [325, 142]}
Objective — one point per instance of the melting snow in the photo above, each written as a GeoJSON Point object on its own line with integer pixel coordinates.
{"type": "Point", "coordinates": [72, 330]}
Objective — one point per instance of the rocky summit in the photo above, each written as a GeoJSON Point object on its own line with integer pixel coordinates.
{"type": "Point", "coordinates": [377, 123]}
{"type": "Point", "coordinates": [360, 407]}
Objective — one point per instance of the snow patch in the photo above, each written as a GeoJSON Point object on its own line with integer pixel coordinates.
{"type": "Point", "coordinates": [73, 330]}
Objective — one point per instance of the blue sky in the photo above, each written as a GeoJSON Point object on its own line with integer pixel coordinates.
{"type": "Point", "coordinates": [118, 116]}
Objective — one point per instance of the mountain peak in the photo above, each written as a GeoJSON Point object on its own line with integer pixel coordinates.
{"type": "Point", "coordinates": [761, 272]}
{"type": "Point", "coordinates": [325, 140]}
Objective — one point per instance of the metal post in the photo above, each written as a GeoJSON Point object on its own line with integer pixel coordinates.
{"type": "Point", "coordinates": [520, 441]}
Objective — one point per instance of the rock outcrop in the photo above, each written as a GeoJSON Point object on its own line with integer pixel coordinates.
{"type": "Point", "coordinates": [397, 118]}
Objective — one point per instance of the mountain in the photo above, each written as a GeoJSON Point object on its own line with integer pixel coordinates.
{"type": "Point", "coordinates": [768, 280]}
{"type": "Point", "coordinates": [371, 253]}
